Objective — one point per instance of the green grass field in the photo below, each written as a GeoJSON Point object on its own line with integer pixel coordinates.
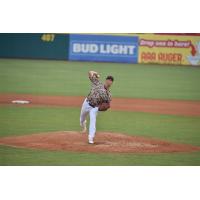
{"type": "Point", "coordinates": [70, 78]}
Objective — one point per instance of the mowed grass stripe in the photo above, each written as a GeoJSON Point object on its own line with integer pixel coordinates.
{"type": "Point", "coordinates": [26, 120]}
{"type": "Point", "coordinates": [70, 78]}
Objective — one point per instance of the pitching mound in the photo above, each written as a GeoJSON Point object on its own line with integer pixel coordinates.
{"type": "Point", "coordinates": [105, 142]}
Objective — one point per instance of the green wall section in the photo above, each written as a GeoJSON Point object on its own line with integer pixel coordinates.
{"type": "Point", "coordinates": [34, 45]}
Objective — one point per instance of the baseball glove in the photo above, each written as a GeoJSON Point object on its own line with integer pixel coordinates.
{"type": "Point", "coordinates": [104, 106]}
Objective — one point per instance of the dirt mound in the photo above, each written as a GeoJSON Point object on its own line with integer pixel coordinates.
{"type": "Point", "coordinates": [171, 107]}
{"type": "Point", "coordinates": [105, 143]}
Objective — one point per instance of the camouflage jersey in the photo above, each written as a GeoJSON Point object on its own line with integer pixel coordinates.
{"type": "Point", "coordinates": [98, 93]}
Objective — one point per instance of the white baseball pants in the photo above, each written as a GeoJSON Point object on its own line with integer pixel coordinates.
{"type": "Point", "coordinates": [85, 110]}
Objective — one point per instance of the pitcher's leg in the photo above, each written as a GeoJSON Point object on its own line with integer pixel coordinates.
{"type": "Point", "coordinates": [92, 128]}
{"type": "Point", "coordinates": [83, 115]}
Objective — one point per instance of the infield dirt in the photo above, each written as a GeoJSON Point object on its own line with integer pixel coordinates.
{"type": "Point", "coordinates": [171, 107]}
{"type": "Point", "coordinates": [106, 142]}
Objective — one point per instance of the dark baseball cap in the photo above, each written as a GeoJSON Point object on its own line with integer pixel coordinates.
{"type": "Point", "coordinates": [110, 78]}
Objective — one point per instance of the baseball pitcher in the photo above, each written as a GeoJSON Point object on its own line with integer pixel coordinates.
{"type": "Point", "coordinates": [97, 100]}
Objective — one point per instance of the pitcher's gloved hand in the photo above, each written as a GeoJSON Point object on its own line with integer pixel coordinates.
{"type": "Point", "coordinates": [104, 106]}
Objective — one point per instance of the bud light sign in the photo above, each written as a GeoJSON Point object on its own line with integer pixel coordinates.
{"type": "Point", "coordinates": [103, 48]}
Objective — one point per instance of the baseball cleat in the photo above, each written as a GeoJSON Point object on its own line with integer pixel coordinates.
{"type": "Point", "coordinates": [90, 141]}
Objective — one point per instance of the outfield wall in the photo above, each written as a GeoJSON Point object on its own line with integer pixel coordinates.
{"type": "Point", "coordinates": [169, 49]}
{"type": "Point", "coordinates": [34, 45]}
{"type": "Point", "coordinates": [146, 48]}
{"type": "Point", "coordinates": [103, 48]}
{"type": "Point", "coordinates": [122, 48]}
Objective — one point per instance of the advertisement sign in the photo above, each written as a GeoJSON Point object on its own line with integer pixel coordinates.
{"type": "Point", "coordinates": [103, 48]}
{"type": "Point", "coordinates": [169, 49]}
